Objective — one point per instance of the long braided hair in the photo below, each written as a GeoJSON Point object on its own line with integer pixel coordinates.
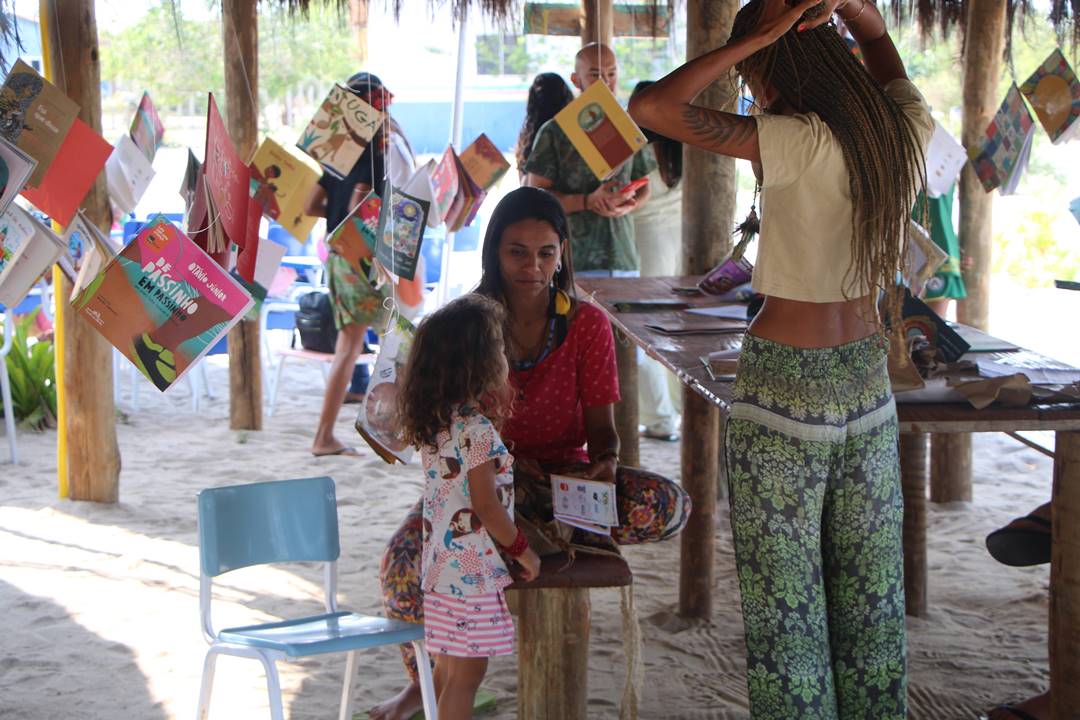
{"type": "Point", "coordinates": [815, 72]}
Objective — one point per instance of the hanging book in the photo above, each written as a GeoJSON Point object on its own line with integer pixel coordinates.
{"type": "Point", "coordinates": [1001, 158]}
{"type": "Point", "coordinates": [444, 182]}
{"type": "Point", "coordinates": [38, 248]}
{"type": "Point", "coordinates": [281, 183]}
{"type": "Point", "coordinates": [945, 158]}
{"type": "Point", "coordinates": [1054, 94]}
{"type": "Point", "coordinates": [15, 169]}
{"type": "Point", "coordinates": [470, 197]}
{"type": "Point", "coordinates": [71, 174]}
{"type": "Point", "coordinates": [247, 252]}
{"type": "Point", "coordinates": [340, 130]}
{"type": "Point", "coordinates": [219, 212]}
{"type": "Point", "coordinates": [484, 163]}
{"type": "Point", "coordinates": [189, 185]}
{"type": "Point", "coordinates": [378, 420]}
{"type": "Point", "coordinates": [401, 232]}
{"type": "Point", "coordinates": [600, 130]}
{"type": "Point", "coordinates": [146, 128]}
{"type": "Point", "coordinates": [127, 174]}
{"type": "Point", "coordinates": [163, 302]}
{"type": "Point", "coordinates": [90, 250]}
{"type": "Point", "coordinates": [354, 238]}
{"type": "Point", "coordinates": [36, 116]}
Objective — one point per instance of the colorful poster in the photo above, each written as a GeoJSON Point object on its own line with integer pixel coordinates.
{"type": "Point", "coordinates": [354, 238]}
{"type": "Point", "coordinates": [15, 169]}
{"type": "Point", "coordinates": [280, 184]}
{"type": "Point", "coordinates": [340, 130]}
{"type": "Point", "coordinates": [484, 163]}
{"type": "Point", "coordinates": [401, 232]}
{"type": "Point", "coordinates": [127, 174]}
{"type": "Point", "coordinates": [600, 130]}
{"type": "Point", "coordinates": [163, 302]}
{"type": "Point", "coordinates": [945, 158]}
{"type": "Point", "coordinates": [35, 255]}
{"type": "Point", "coordinates": [227, 178]}
{"type": "Point", "coordinates": [1054, 95]}
{"type": "Point", "coordinates": [71, 174]}
{"type": "Point", "coordinates": [146, 128]}
{"type": "Point", "coordinates": [35, 115]}
{"type": "Point", "coordinates": [378, 421]}
{"type": "Point", "coordinates": [1001, 158]}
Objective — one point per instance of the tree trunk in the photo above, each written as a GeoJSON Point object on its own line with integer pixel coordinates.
{"type": "Point", "coordinates": [240, 33]}
{"type": "Point", "coordinates": [89, 414]}
{"type": "Point", "coordinates": [913, 482]}
{"type": "Point", "coordinates": [1065, 580]}
{"type": "Point", "coordinates": [599, 22]}
{"type": "Point", "coordinates": [358, 23]}
{"type": "Point", "coordinates": [626, 410]}
{"type": "Point", "coordinates": [708, 191]}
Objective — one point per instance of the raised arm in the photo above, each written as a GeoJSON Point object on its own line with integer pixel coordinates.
{"type": "Point", "coordinates": [868, 28]}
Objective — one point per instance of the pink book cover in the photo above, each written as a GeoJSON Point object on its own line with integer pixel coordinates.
{"type": "Point", "coordinates": [445, 183]}
{"type": "Point", "coordinates": [80, 159]}
{"type": "Point", "coordinates": [227, 176]}
{"type": "Point", "coordinates": [146, 128]}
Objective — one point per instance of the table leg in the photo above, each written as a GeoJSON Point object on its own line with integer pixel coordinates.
{"type": "Point", "coordinates": [1065, 579]}
{"type": "Point", "coordinates": [950, 467]}
{"type": "Point", "coordinates": [913, 481]}
{"type": "Point", "coordinates": [699, 455]}
{"type": "Point", "coordinates": [626, 410]}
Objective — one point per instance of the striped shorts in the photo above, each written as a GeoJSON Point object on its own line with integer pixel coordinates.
{"type": "Point", "coordinates": [474, 626]}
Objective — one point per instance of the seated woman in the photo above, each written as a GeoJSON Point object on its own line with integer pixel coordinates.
{"type": "Point", "coordinates": [563, 375]}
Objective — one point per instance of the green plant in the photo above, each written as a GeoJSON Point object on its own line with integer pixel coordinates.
{"type": "Point", "coordinates": [32, 370]}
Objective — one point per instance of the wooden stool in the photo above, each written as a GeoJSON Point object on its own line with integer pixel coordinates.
{"type": "Point", "coordinates": [553, 633]}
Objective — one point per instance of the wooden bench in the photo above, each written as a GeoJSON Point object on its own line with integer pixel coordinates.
{"type": "Point", "coordinates": [553, 632]}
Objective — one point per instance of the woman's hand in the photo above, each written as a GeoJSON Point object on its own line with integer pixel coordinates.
{"type": "Point", "coordinates": [603, 469]}
{"type": "Point", "coordinates": [779, 17]}
{"type": "Point", "coordinates": [530, 564]}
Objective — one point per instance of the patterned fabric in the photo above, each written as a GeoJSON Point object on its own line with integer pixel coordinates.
{"type": "Point", "coordinates": [355, 301]}
{"type": "Point", "coordinates": [476, 626]}
{"type": "Point", "coordinates": [548, 423]}
{"type": "Point", "coordinates": [816, 513]}
{"type": "Point", "coordinates": [459, 557]}
{"type": "Point", "coordinates": [947, 282]}
{"type": "Point", "coordinates": [596, 242]}
{"type": "Point", "coordinates": [651, 508]}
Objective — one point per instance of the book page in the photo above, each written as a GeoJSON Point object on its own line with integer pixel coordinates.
{"type": "Point", "coordinates": [588, 501]}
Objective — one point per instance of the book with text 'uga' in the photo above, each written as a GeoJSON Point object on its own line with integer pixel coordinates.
{"type": "Point", "coordinates": [600, 130]}
{"type": "Point", "coordinates": [35, 115]}
{"type": "Point", "coordinates": [29, 249]}
{"type": "Point", "coordinates": [163, 302]}
{"type": "Point", "coordinates": [281, 183]}
{"type": "Point", "coordinates": [341, 129]}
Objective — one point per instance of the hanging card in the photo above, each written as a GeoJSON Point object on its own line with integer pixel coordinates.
{"type": "Point", "coordinates": [945, 158]}
{"type": "Point", "coordinates": [35, 115]}
{"type": "Point", "coordinates": [71, 173]}
{"type": "Point", "coordinates": [341, 129]}
{"type": "Point", "coordinates": [127, 173]}
{"type": "Point", "coordinates": [146, 128]}
{"type": "Point", "coordinates": [280, 184]}
{"type": "Point", "coordinates": [600, 130]}
{"type": "Point", "coordinates": [1000, 159]}
{"type": "Point", "coordinates": [1054, 94]}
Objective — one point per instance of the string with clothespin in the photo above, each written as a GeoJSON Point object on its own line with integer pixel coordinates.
{"type": "Point", "coordinates": [748, 228]}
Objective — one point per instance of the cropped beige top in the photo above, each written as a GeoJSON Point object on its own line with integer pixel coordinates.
{"type": "Point", "coordinates": [805, 247]}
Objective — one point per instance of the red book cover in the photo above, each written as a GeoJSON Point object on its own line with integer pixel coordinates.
{"type": "Point", "coordinates": [227, 176]}
{"type": "Point", "coordinates": [81, 157]}
{"type": "Point", "coordinates": [248, 252]}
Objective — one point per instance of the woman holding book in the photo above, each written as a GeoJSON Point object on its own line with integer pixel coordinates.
{"type": "Point", "coordinates": [562, 372]}
{"type": "Point", "coordinates": [816, 506]}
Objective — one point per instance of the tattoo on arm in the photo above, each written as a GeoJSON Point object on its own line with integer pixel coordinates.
{"type": "Point", "coordinates": [718, 131]}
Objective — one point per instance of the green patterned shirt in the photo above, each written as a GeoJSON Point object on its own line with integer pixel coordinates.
{"type": "Point", "coordinates": [597, 242]}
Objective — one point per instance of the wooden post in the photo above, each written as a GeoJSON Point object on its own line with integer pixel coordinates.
{"type": "Point", "coordinates": [358, 23]}
{"type": "Point", "coordinates": [950, 467]}
{"type": "Point", "coordinates": [626, 410]}
{"type": "Point", "coordinates": [239, 27]}
{"type": "Point", "coordinates": [599, 23]}
{"type": "Point", "coordinates": [553, 653]}
{"type": "Point", "coordinates": [708, 217]}
{"type": "Point", "coordinates": [913, 481]}
{"type": "Point", "coordinates": [93, 455]}
{"type": "Point", "coordinates": [1065, 580]}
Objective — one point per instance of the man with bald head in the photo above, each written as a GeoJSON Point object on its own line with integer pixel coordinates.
{"type": "Point", "coordinates": [601, 231]}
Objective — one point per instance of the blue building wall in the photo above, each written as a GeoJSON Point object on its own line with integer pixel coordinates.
{"type": "Point", "coordinates": [427, 125]}
{"type": "Point", "coordinates": [30, 38]}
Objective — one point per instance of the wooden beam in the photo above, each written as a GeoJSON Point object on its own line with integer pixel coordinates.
{"type": "Point", "coordinates": [950, 468]}
{"type": "Point", "coordinates": [93, 455]}
{"type": "Point", "coordinates": [553, 653]}
{"type": "Point", "coordinates": [913, 482]}
{"type": "Point", "coordinates": [240, 35]}
{"type": "Point", "coordinates": [599, 23]}
{"type": "Point", "coordinates": [626, 410]}
{"type": "Point", "coordinates": [1065, 580]}
{"type": "Point", "coordinates": [699, 456]}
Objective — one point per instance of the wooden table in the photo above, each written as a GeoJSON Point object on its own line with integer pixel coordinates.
{"type": "Point", "coordinates": [681, 354]}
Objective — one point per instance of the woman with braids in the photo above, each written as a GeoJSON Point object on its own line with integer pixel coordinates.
{"type": "Point", "coordinates": [816, 507]}
{"type": "Point", "coordinates": [548, 94]}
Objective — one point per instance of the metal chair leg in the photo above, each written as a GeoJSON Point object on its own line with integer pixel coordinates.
{"type": "Point", "coordinates": [347, 687]}
{"type": "Point", "coordinates": [427, 683]}
{"type": "Point", "coordinates": [207, 686]}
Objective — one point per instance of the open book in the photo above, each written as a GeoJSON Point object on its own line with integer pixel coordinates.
{"type": "Point", "coordinates": [27, 249]}
{"type": "Point", "coordinates": [15, 169]}
{"type": "Point", "coordinates": [586, 504]}
{"type": "Point", "coordinates": [459, 183]}
{"type": "Point", "coordinates": [90, 249]}
{"type": "Point", "coordinates": [378, 421]}
{"type": "Point", "coordinates": [127, 174]}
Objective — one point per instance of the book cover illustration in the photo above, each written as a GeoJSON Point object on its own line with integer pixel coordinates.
{"type": "Point", "coordinates": [729, 274]}
{"type": "Point", "coordinates": [147, 130]}
{"type": "Point", "coordinates": [15, 169]}
{"type": "Point", "coordinates": [587, 504]}
{"type": "Point", "coordinates": [354, 238]}
{"type": "Point", "coordinates": [35, 116]}
{"type": "Point", "coordinates": [444, 183]}
{"type": "Point", "coordinates": [600, 130]}
{"type": "Point", "coordinates": [484, 163]}
{"type": "Point", "coordinates": [945, 158]}
{"type": "Point", "coordinates": [73, 171]}
{"type": "Point", "coordinates": [1054, 94]}
{"type": "Point", "coordinates": [401, 232]}
{"type": "Point", "coordinates": [38, 250]}
{"type": "Point", "coordinates": [127, 174]}
{"type": "Point", "coordinates": [1001, 158]}
{"type": "Point", "coordinates": [378, 420]}
{"type": "Point", "coordinates": [280, 184]}
{"type": "Point", "coordinates": [163, 302]}
{"type": "Point", "coordinates": [341, 129]}
{"type": "Point", "coordinates": [227, 180]}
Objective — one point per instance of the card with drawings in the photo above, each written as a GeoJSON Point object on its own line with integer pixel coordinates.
{"type": "Point", "coordinates": [1054, 95]}
{"type": "Point", "coordinates": [587, 504]}
{"type": "Point", "coordinates": [1000, 159]}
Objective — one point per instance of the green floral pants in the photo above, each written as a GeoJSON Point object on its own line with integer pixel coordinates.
{"type": "Point", "coordinates": [816, 512]}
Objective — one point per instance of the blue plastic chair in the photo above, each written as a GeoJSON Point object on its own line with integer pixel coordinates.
{"type": "Point", "coordinates": [288, 521]}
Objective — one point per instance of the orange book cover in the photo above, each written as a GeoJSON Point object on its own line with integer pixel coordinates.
{"type": "Point", "coordinates": [77, 164]}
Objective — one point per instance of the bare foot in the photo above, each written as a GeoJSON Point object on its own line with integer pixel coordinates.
{"type": "Point", "coordinates": [402, 706]}
{"type": "Point", "coordinates": [1035, 707]}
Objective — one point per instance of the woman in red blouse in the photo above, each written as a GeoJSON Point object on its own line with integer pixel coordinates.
{"type": "Point", "coordinates": [562, 371]}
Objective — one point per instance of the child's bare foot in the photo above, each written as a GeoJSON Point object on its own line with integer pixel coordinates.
{"type": "Point", "coordinates": [402, 706]}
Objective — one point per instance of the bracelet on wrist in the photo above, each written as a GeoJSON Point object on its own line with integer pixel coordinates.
{"type": "Point", "coordinates": [854, 17]}
{"type": "Point", "coordinates": [519, 546]}
{"type": "Point", "coordinates": [607, 454]}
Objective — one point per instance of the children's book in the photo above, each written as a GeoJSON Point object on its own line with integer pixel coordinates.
{"type": "Point", "coordinates": [71, 174]}
{"type": "Point", "coordinates": [401, 230]}
{"type": "Point", "coordinates": [919, 319]}
{"type": "Point", "coordinates": [90, 250]}
{"type": "Point", "coordinates": [16, 228]}
{"type": "Point", "coordinates": [226, 179]}
{"type": "Point", "coordinates": [163, 302]}
{"type": "Point", "coordinates": [470, 196]}
{"type": "Point", "coordinates": [280, 184]}
{"type": "Point", "coordinates": [147, 131]}
{"type": "Point", "coordinates": [484, 163]}
{"type": "Point", "coordinates": [922, 260]}
{"type": "Point", "coordinates": [190, 183]}
{"type": "Point", "coordinates": [444, 182]}
{"type": "Point", "coordinates": [729, 274]}
{"type": "Point", "coordinates": [354, 238]}
{"type": "Point", "coordinates": [600, 130]}
{"type": "Point", "coordinates": [1000, 159]}
{"type": "Point", "coordinates": [378, 420]}
{"type": "Point", "coordinates": [38, 250]}
{"type": "Point", "coordinates": [35, 115]}
{"type": "Point", "coordinates": [15, 169]}
{"type": "Point", "coordinates": [587, 504]}
{"type": "Point", "coordinates": [1054, 94]}
{"type": "Point", "coordinates": [945, 158]}
{"type": "Point", "coordinates": [127, 173]}
{"type": "Point", "coordinates": [341, 129]}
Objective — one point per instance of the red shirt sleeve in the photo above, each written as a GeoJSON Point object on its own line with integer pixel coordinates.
{"type": "Point", "coordinates": [598, 376]}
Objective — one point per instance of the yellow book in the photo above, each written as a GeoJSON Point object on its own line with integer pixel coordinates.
{"type": "Point", "coordinates": [600, 130]}
{"type": "Point", "coordinates": [281, 182]}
